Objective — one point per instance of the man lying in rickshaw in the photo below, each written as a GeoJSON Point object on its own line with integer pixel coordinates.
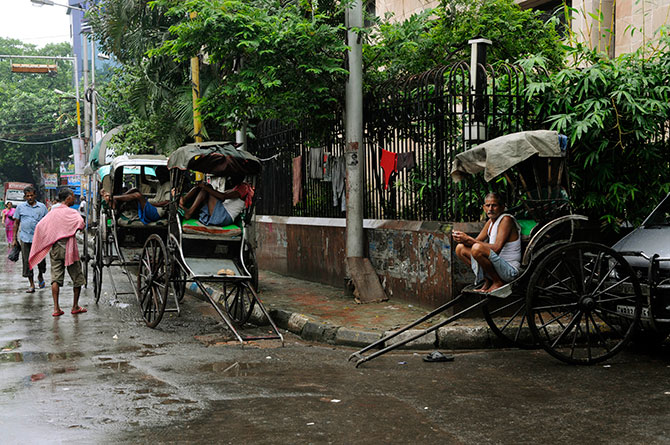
{"type": "Point", "coordinates": [217, 208]}
{"type": "Point", "coordinates": [151, 209]}
{"type": "Point", "coordinates": [495, 255]}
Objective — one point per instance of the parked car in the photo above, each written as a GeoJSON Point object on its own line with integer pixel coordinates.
{"type": "Point", "coordinates": [652, 237]}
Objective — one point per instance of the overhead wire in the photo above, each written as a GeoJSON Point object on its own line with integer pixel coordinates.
{"type": "Point", "coordinates": [36, 143]}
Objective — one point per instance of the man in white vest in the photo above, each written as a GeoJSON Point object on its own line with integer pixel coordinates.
{"type": "Point", "coordinates": [495, 255]}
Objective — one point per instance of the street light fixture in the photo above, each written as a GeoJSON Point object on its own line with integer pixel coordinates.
{"type": "Point", "coordinates": [52, 3]}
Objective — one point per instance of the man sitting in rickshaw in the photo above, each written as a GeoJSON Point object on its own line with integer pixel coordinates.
{"type": "Point", "coordinates": [152, 209]}
{"type": "Point", "coordinates": [216, 208]}
{"type": "Point", "coordinates": [495, 255]}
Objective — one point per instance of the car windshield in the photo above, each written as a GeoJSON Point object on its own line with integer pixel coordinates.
{"type": "Point", "coordinates": [661, 215]}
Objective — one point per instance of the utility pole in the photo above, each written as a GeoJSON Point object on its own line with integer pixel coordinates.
{"type": "Point", "coordinates": [87, 109]}
{"type": "Point", "coordinates": [195, 86]}
{"type": "Point", "coordinates": [94, 111]}
{"type": "Point", "coordinates": [241, 134]}
{"type": "Point", "coordinates": [354, 150]}
{"type": "Point", "coordinates": [367, 287]}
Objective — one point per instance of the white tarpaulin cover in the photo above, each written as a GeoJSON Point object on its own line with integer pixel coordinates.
{"type": "Point", "coordinates": [496, 156]}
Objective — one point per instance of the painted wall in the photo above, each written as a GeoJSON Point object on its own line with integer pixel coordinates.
{"type": "Point", "coordinates": [413, 260]}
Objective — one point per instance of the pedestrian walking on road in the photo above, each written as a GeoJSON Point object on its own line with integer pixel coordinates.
{"type": "Point", "coordinates": [56, 233]}
{"type": "Point", "coordinates": [26, 217]}
{"type": "Point", "coordinates": [8, 221]}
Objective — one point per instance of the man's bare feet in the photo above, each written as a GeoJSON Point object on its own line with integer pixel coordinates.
{"type": "Point", "coordinates": [495, 285]}
{"type": "Point", "coordinates": [485, 287]}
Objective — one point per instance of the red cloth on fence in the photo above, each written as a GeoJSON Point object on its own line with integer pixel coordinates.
{"type": "Point", "coordinates": [388, 164]}
{"type": "Point", "coordinates": [61, 222]}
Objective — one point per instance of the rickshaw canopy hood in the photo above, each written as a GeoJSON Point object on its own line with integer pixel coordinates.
{"type": "Point", "coordinates": [131, 161]}
{"type": "Point", "coordinates": [496, 156]}
{"type": "Point", "coordinates": [99, 155]}
{"type": "Point", "coordinates": [216, 158]}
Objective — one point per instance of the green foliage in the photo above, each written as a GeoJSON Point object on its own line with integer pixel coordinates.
{"type": "Point", "coordinates": [276, 60]}
{"type": "Point", "coordinates": [30, 111]}
{"type": "Point", "coordinates": [129, 28]}
{"type": "Point", "coordinates": [150, 96]}
{"type": "Point", "coordinates": [440, 37]}
{"type": "Point", "coordinates": [615, 113]}
{"type": "Point", "coordinates": [156, 118]}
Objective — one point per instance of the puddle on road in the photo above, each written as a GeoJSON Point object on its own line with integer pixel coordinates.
{"type": "Point", "coordinates": [11, 357]}
{"type": "Point", "coordinates": [63, 370]}
{"type": "Point", "coordinates": [235, 369]}
{"type": "Point", "coordinates": [115, 366]}
{"type": "Point", "coordinates": [38, 357]}
{"type": "Point", "coordinates": [11, 345]}
{"type": "Point", "coordinates": [117, 303]}
{"type": "Point", "coordinates": [150, 346]}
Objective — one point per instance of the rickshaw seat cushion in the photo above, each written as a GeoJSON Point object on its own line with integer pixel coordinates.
{"type": "Point", "coordinates": [131, 219]}
{"type": "Point", "coordinates": [195, 226]}
{"type": "Point", "coordinates": [527, 226]}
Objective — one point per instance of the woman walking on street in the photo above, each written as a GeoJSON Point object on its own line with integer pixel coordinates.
{"type": "Point", "coordinates": [8, 221]}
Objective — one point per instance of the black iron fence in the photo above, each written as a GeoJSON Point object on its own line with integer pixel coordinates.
{"type": "Point", "coordinates": [413, 130]}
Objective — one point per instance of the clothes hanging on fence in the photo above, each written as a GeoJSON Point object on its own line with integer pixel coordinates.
{"type": "Point", "coordinates": [338, 171]}
{"type": "Point", "coordinates": [327, 175]}
{"type": "Point", "coordinates": [316, 163]}
{"type": "Point", "coordinates": [297, 180]}
{"type": "Point", "coordinates": [388, 164]}
{"type": "Point", "coordinates": [405, 161]}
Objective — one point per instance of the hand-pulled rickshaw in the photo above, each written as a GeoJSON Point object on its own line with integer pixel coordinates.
{"type": "Point", "coordinates": [579, 300]}
{"type": "Point", "coordinates": [191, 252]}
{"type": "Point", "coordinates": [119, 233]}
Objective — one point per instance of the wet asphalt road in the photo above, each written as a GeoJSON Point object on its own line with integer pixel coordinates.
{"type": "Point", "coordinates": [103, 377]}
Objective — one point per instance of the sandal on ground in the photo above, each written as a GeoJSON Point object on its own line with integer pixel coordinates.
{"type": "Point", "coordinates": [79, 310]}
{"type": "Point", "coordinates": [42, 284]}
{"type": "Point", "coordinates": [30, 290]}
{"type": "Point", "coordinates": [437, 356]}
{"type": "Point", "coordinates": [58, 314]}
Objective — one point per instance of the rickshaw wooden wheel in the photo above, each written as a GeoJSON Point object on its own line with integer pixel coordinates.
{"type": "Point", "coordinates": [507, 319]}
{"type": "Point", "coordinates": [250, 262]}
{"type": "Point", "coordinates": [178, 282]}
{"type": "Point", "coordinates": [239, 301]}
{"type": "Point", "coordinates": [153, 280]}
{"type": "Point", "coordinates": [84, 258]}
{"type": "Point", "coordinates": [97, 265]}
{"type": "Point", "coordinates": [584, 303]}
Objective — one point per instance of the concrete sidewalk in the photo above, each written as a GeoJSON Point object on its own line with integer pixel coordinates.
{"type": "Point", "coordinates": [322, 313]}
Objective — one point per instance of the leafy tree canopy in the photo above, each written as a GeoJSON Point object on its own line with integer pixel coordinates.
{"type": "Point", "coordinates": [616, 114]}
{"type": "Point", "coordinates": [284, 60]}
{"type": "Point", "coordinates": [30, 111]}
{"type": "Point", "coordinates": [440, 37]}
{"type": "Point", "coordinates": [276, 60]}
{"type": "Point", "coordinates": [151, 96]}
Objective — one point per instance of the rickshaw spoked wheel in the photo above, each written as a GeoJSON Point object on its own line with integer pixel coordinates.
{"type": "Point", "coordinates": [507, 319]}
{"type": "Point", "coordinates": [178, 282]}
{"type": "Point", "coordinates": [153, 280]}
{"type": "Point", "coordinates": [250, 263]}
{"type": "Point", "coordinates": [584, 303]}
{"type": "Point", "coordinates": [97, 265]}
{"type": "Point", "coordinates": [239, 301]}
{"type": "Point", "coordinates": [85, 258]}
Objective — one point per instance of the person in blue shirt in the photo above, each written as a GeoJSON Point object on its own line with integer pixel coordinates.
{"type": "Point", "coordinates": [26, 217]}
